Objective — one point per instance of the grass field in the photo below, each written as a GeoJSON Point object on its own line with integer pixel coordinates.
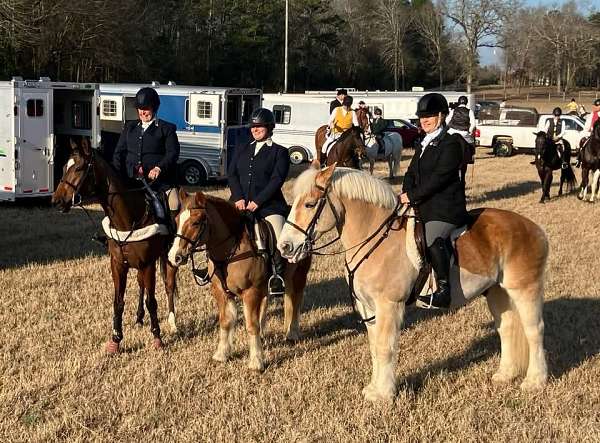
{"type": "Point", "coordinates": [57, 384]}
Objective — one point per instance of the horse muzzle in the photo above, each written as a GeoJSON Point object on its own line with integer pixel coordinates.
{"type": "Point", "coordinates": [294, 254]}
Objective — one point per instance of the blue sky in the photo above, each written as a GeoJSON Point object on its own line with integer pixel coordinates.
{"type": "Point", "coordinates": [493, 56]}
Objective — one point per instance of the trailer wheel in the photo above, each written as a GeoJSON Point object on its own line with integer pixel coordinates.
{"type": "Point", "coordinates": [503, 148]}
{"type": "Point", "coordinates": [298, 155]}
{"type": "Point", "coordinates": [193, 173]}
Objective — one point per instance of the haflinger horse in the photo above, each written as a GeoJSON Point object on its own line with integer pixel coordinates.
{"type": "Point", "coordinates": [502, 255]}
{"type": "Point", "coordinates": [548, 159]}
{"type": "Point", "coordinates": [236, 269]}
{"type": "Point", "coordinates": [87, 178]}
{"type": "Point", "coordinates": [590, 161]}
{"type": "Point", "coordinates": [392, 145]}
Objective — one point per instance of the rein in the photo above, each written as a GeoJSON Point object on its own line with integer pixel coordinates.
{"type": "Point", "coordinates": [308, 245]}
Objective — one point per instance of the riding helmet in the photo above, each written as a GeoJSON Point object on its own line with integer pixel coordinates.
{"type": "Point", "coordinates": [432, 104]}
{"type": "Point", "coordinates": [377, 111]}
{"type": "Point", "coordinates": [347, 101]}
{"type": "Point", "coordinates": [597, 102]}
{"type": "Point", "coordinates": [147, 98]}
{"type": "Point", "coordinates": [262, 117]}
{"type": "Point", "coordinates": [557, 112]}
{"type": "Point", "coordinates": [341, 92]}
{"type": "Point", "coordinates": [463, 100]}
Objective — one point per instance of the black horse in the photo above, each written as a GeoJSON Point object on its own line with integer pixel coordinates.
{"type": "Point", "coordinates": [590, 161]}
{"type": "Point", "coordinates": [548, 158]}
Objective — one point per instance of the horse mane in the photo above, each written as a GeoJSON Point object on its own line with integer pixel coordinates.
{"type": "Point", "coordinates": [353, 130]}
{"type": "Point", "coordinates": [232, 217]}
{"type": "Point", "coordinates": [351, 184]}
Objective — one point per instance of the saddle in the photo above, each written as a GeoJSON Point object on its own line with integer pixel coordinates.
{"type": "Point", "coordinates": [265, 241]}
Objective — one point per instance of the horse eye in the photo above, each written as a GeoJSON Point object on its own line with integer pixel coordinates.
{"type": "Point", "coordinates": [310, 205]}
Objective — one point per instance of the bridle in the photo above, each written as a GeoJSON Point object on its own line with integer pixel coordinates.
{"type": "Point", "coordinates": [77, 199]}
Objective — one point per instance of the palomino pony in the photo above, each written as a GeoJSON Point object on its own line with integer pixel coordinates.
{"type": "Point", "coordinates": [502, 254]}
{"type": "Point", "coordinates": [590, 161]}
{"type": "Point", "coordinates": [549, 160]}
{"type": "Point", "coordinates": [392, 151]}
{"type": "Point", "coordinates": [87, 176]}
{"type": "Point", "coordinates": [236, 270]}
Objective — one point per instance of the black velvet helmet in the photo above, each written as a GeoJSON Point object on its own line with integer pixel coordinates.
{"type": "Point", "coordinates": [597, 102]}
{"type": "Point", "coordinates": [432, 104]}
{"type": "Point", "coordinates": [557, 112]}
{"type": "Point", "coordinates": [463, 100]}
{"type": "Point", "coordinates": [347, 101]}
{"type": "Point", "coordinates": [147, 98]}
{"type": "Point", "coordinates": [262, 117]}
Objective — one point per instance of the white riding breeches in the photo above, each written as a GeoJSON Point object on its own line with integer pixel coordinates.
{"type": "Point", "coordinates": [328, 142]}
{"type": "Point", "coordinates": [277, 222]}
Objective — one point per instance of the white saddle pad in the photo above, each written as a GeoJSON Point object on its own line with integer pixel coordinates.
{"type": "Point", "coordinates": [135, 235]}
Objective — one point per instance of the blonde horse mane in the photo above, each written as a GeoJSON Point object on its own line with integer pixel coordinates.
{"type": "Point", "coordinates": [351, 184]}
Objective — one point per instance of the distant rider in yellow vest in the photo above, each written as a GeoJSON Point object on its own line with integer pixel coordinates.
{"type": "Point", "coordinates": [341, 119]}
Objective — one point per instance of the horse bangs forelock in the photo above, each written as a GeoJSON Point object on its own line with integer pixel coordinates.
{"type": "Point", "coordinates": [305, 182]}
{"type": "Point", "coordinates": [356, 185]}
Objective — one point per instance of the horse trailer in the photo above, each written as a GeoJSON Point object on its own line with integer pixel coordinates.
{"type": "Point", "coordinates": [38, 119]}
{"type": "Point", "coordinates": [298, 116]}
{"type": "Point", "coordinates": [210, 122]}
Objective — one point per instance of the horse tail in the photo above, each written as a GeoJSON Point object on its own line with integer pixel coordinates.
{"type": "Point", "coordinates": [569, 176]}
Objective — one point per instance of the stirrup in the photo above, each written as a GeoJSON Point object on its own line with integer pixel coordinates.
{"type": "Point", "coordinates": [273, 289]}
{"type": "Point", "coordinates": [201, 276]}
{"type": "Point", "coordinates": [564, 165]}
{"type": "Point", "coordinates": [419, 303]}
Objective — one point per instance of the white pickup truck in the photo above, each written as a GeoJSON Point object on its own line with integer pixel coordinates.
{"type": "Point", "coordinates": [515, 130]}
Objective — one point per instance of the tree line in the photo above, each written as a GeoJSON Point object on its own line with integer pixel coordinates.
{"type": "Point", "coordinates": [367, 44]}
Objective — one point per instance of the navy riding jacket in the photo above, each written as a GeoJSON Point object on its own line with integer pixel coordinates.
{"type": "Point", "coordinates": [432, 181]}
{"type": "Point", "coordinates": [259, 178]}
{"type": "Point", "coordinates": [156, 146]}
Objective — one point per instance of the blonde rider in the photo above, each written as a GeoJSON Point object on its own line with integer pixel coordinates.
{"type": "Point", "coordinates": [341, 119]}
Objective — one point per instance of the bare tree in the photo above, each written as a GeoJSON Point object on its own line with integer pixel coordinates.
{"type": "Point", "coordinates": [479, 22]}
{"type": "Point", "coordinates": [394, 18]}
{"type": "Point", "coordinates": [430, 23]}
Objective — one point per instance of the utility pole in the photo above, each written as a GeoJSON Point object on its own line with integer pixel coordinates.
{"type": "Point", "coordinates": [285, 68]}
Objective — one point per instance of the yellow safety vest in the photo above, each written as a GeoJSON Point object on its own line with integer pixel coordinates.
{"type": "Point", "coordinates": [342, 122]}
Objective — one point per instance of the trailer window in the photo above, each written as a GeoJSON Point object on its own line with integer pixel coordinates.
{"type": "Point", "coordinates": [35, 108]}
{"type": "Point", "coordinates": [204, 110]}
{"type": "Point", "coordinates": [109, 108]}
{"type": "Point", "coordinates": [283, 114]}
{"type": "Point", "coordinates": [81, 115]}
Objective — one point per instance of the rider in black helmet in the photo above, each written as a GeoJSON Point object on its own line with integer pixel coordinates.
{"type": "Point", "coordinates": [149, 148]}
{"type": "Point", "coordinates": [555, 131]}
{"type": "Point", "coordinates": [432, 185]}
{"type": "Point", "coordinates": [256, 175]}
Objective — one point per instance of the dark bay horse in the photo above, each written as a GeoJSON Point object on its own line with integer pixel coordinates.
{"type": "Point", "coordinates": [348, 149]}
{"type": "Point", "coordinates": [88, 177]}
{"type": "Point", "coordinates": [548, 160]}
{"type": "Point", "coordinates": [590, 161]}
{"type": "Point", "coordinates": [236, 269]}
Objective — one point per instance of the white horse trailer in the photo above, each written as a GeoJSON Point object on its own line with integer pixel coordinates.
{"type": "Point", "coordinates": [298, 116]}
{"type": "Point", "coordinates": [38, 118]}
{"type": "Point", "coordinates": [210, 121]}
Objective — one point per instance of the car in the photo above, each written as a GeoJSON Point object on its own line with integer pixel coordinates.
{"type": "Point", "coordinates": [410, 133]}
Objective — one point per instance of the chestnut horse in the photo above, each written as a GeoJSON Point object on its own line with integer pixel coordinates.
{"type": "Point", "coordinates": [502, 254]}
{"type": "Point", "coordinates": [590, 161]}
{"type": "Point", "coordinates": [88, 177]}
{"type": "Point", "coordinates": [236, 270]}
{"type": "Point", "coordinates": [548, 160]}
{"type": "Point", "coordinates": [346, 155]}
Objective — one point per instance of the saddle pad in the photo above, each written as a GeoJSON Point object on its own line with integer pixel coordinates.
{"type": "Point", "coordinates": [135, 235]}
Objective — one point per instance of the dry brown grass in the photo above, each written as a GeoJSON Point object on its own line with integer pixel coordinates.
{"type": "Point", "coordinates": [58, 384]}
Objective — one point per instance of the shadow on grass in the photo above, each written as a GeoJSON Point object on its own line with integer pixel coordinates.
{"type": "Point", "coordinates": [33, 232]}
{"type": "Point", "coordinates": [508, 191]}
{"type": "Point", "coordinates": [571, 338]}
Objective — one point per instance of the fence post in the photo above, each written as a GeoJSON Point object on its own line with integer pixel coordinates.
{"type": "Point", "coordinates": [548, 96]}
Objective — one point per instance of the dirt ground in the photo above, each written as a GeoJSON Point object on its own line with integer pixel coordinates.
{"type": "Point", "coordinates": [59, 385]}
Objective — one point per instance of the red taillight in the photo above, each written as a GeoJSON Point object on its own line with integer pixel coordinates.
{"type": "Point", "coordinates": [476, 133]}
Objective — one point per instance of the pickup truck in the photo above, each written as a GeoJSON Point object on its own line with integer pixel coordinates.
{"type": "Point", "coordinates": [515, 130]}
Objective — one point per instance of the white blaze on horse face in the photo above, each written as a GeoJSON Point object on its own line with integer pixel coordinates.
{"type": "Point", "coordinates": [183, 218]}
{"type": "Point", "coordinates": [70, 163]}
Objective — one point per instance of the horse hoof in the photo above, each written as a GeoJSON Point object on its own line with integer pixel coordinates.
{"type": "Point", "coordinates": [112, 347]}
{"type": "Point", "coordinates": [533, 385]}
{"type": "Point", "coordinates": [501, 378]}
{"type": "Point", "coordinates": [157, 343]}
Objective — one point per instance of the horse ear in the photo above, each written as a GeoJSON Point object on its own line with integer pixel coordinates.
{"type": "Point", "coordinates": [324, 177]}
{"type": "Point", "coordinates": [74, 146]}
{"type": "Point", "coordinates": [183, 195]}
{"type": "Point", "coordinates": [315, 164]}
{"type": "Point", "coordinates": [86, 147]}
{"type": "Point", "coordinates": [200, 199]}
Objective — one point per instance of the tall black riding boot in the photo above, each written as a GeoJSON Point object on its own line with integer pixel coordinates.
{"type": "Point", "coordinates": [276, 283]}
{"type": "Point", "coordinates": [440, 254]}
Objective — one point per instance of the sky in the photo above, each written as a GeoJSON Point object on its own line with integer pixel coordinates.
{"type": "Point", "coordinates": [491, 56]}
